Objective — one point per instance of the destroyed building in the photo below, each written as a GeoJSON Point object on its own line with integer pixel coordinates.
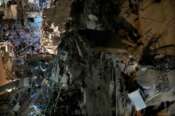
{"type": "Point", "coordinates": [87, 58]}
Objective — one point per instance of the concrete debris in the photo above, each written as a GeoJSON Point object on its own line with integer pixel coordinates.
{"type": "Point", "coordinates": [57, 69]}
{"type": "Point", "coordinates": [89, 82]}
{"type": "Point", "coordinates": [51, 35]}
{"type": "Point", "coordinates": [25, 64]}
{"type": "Point", "coordinates": [73, 75]}
{"type": "Point", "coordinates": [158, 85]}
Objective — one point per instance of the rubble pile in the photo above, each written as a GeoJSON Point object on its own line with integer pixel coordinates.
{"type": "Point", "coordinates": [89, 82]}
{"type": "Point", "coordinates": [33, 86]}
{"type": "Point", "coordinates": [25, 63]}
{"type": "Point", "coordinates": [58, 69]}
{"type": "Point", "coordinates": [86, 80]}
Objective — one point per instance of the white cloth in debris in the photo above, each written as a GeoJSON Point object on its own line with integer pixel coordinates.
{"type": "Point", "coordinates": [137, 100]}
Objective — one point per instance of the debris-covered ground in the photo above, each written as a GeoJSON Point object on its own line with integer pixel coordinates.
{"type": "Point", "coordinates": [95, 82]}
{"type": "Point", "coordinates": [85, 58]}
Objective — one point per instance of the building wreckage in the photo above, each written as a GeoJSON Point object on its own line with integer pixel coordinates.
{"type": "Point", "coordinates": [86, 78]}
{"type": "Point", "coordinates": [89, 82]}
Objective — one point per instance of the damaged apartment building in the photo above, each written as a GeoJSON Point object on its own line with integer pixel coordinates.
{"type": "Point", "coordinates": [87, 58]}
